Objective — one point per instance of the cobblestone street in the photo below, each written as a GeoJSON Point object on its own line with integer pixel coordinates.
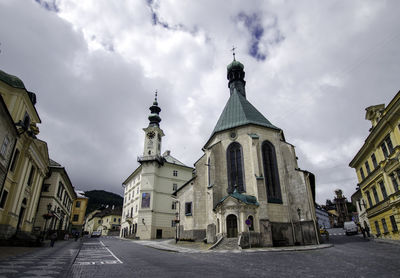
{"type": "Point", "coordinates": [351, 256]}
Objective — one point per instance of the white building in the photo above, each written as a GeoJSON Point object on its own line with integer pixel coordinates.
{"type": "Point", "coordinates": [149, 210]}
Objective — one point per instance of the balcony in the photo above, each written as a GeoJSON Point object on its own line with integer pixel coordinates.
{"type": "Point", "coordinates": [150, 158]}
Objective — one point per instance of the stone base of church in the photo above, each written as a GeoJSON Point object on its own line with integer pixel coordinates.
{"type": "Point", "coordinates": [192, 235]}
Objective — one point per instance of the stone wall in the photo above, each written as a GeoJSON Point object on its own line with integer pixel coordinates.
{"type": "Point", "coordinates": [196, 235]}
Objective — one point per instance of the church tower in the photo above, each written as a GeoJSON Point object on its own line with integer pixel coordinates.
{"type": "Point", "coordinates": [152, 140]}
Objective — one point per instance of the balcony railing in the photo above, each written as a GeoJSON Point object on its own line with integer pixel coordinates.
{"type": "Point", "coordinates": [149, 158]}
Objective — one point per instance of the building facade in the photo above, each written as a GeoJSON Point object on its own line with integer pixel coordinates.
{"type": "Point", "coordinates": [247, 181]}
{"type": "Point", "coordinates": [78, 213]}
{"type": "Point", "coordinates": [149, 210]}
{"type": "Point", "coordinates": [29, 164]}
{"type": "Point", "coordinates": [360, 204]}
{"type": "Point", "coordinates": [378, 169]}
{"type": "Point", "coordinates": [55, 206]}
{"type": "Point", "coordinates": [322, 217]}
{"type": "Point", "coordinates": [8, 138]}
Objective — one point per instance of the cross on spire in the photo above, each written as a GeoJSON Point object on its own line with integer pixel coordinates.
{"type": "Point", "coordinates": [233, 52]}
{"type": "Point", "coordinates": [155, 98]}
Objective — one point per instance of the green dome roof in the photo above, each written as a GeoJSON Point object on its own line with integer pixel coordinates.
{"type": "Point", "coordinates": [235, 64]}
{"type": "Point", "coordinates": [11, 80]}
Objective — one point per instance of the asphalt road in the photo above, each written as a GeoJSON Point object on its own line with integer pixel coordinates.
{"type": "Point", "coordinates": [351, 256]}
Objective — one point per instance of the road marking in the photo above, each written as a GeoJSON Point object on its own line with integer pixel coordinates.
{"type": "Point", "coordinates": [111, 252]}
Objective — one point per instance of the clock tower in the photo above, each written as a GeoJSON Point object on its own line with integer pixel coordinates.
{"type": "Point", "coordinates": [153, 133]}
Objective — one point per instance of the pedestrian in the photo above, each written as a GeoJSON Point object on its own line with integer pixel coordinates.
{"type": "Point", "coordinates": [367, 230]}
{"type": "Point", "coordinates": [66, 237]}
{"type": "Point", "coordinates": [53, 238]}
{"type": "Point", "coordinates": [363, 231]}
{"type": "Point", "coordinates": [76, 236]}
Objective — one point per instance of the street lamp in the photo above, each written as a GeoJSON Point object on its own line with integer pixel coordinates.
{"type": "Point", "coordinates": [177, 221]}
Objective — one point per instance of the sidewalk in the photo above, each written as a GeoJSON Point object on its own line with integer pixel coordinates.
{"type": "Point", "coordinates": [199, 247]}
{"type": "Point", "coordinates": [387, 241]}
{"type": "Point", "coordinates": [13, 251]}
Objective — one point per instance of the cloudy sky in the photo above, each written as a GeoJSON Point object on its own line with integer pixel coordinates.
{"type": "Point", "coordinates": [312, 67]}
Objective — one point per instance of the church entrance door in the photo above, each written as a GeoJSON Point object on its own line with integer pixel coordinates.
{"type": "Point", "coordinates": [231, 226]}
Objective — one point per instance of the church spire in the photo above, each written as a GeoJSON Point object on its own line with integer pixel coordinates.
{"type": "Point", "coordinates": [154, 117]}
{"type": "Point", "coordinates": [235, 76]}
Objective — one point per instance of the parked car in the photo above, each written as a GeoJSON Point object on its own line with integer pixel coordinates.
{"type": "Point", "coordinates": [350, 228]}
{"type": "Point", "coordinates": [96, 234]}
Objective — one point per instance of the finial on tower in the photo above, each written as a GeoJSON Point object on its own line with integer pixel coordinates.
{"type": "Point", "coordinates": [233, 52]}
{"type": "Point", "coordinates": [155, 111]}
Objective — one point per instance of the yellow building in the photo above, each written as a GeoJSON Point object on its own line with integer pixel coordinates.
{"type": "Point", "coordinates": [78, 211]}
{"type": "Point", "coordinates": [378, 170]}
{"type": "Point", "coordinates": [29, 164]}
{"type": "Point", "coordinates": [92, 221]}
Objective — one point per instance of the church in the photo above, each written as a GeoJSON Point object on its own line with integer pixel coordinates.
{"type": "Point", "coordinates": [247, 186]}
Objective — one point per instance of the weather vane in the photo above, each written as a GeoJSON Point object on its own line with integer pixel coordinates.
{"type": "Point", "coordinates": [233, 51]}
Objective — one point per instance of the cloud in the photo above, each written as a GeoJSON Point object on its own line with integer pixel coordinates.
{"type": "Point", "coordinates": [311, 69]}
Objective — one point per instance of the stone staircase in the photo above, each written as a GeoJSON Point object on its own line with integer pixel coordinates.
{"type": "Point", "coordinates": [228, 244]}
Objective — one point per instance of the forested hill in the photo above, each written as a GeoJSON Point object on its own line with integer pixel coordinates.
{"type": "Point", "coordinates": [98, 198]}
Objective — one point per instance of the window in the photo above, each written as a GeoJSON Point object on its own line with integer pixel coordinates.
{"type": "Point", "coordinates": [75, 217]}
{"type": "Point", "coordinates": [145, 200]}
{"type": "Point", "coordinates": [115, 219]}
{"type": "Point", "coordinates": [383, 189]}
{"type": "Point", "coordinates": [46, 187]}
{"type": "Point", "coordinates": [375, 195]}
{"type": "Point", "coordinates": [131, 211]}
{"type": "Point", "coordinates": [362, 174]}
{"type": "Point", "coordinates": [173, 223]}
{"type": "Point", "coordinates": [3, 199]}
{"type": "Point", "coordinates": [378, 231]}
{"type": "Point", "coordinates": [188, 208]}
{"type": "Point", "coordinates": [394, 224]}
{"type": "Point", "coordinates": [373, 158]}
{"type": "Point", "coordinates": [31, 175]}
{"type": "Point", "coordinates": [251, 227]}
{"type": "Point", "coordinates": [235, 167]}
{"type": "Point", "coordinates": [369, 199]}
{"type": "Point", "coordinates": [78, 204]}
{"type": "Point", "coordinates": [4, 146]}
{"type": "Point", "coordinates": [99, 221]}
{"type": "Point", "coordinates": [15, 160]}
{"type": "Point", "coordinates": [367, 167]}
{"type": "Point", "coordinates": [173, 205]}
{"type": "Point", "coordinates": [27, 121]}
{"type": "Point", "coordinates": [174, 187]}
{"type": "Point", "coordinates": [386, 146]}
{"type": "Point", "coordinates": [271, 173]}
{"type": "Point", "coordinates": [175, 173]}
{"type": "Point", "coordinates": [385, 228]}
{"type": "Point", "coordinates": [209, 171]}
{"type": "Point", "coordinates": [394, 182]}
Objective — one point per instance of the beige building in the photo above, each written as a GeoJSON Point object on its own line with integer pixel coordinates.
{"type": "Point", "coordinates": [149, 210]}
{"type": "Point", "coordinates": [105, 220]}
{"type": "Point", "coordinates": [29, 165]}
{"type": "Point", "coordinates": [78, 211]}
{"type": "Point", "coordinates": [377, 167]}
{"type": "Point", "coordinates": [248, 180]}
{"type": "Point", "coordinates": [54, 211]}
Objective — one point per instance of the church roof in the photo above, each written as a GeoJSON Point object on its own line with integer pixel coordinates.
{"type": "Point", "coordinates": [239, 111]}
{"type": "Point", "coordinates": [247, 199]}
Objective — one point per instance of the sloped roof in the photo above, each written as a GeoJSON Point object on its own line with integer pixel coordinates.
{"type": "Point", "coordinates": [247, 199]}
{"type": "Point", "coordinates": [239, 111]}
{"type": "Point", "coordinates": [11, 80]}
{"type": "Point", "coordinates": [169, 158]}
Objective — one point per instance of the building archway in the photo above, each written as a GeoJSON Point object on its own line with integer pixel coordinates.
{"type": "Point", "coordinates": [231, 226]}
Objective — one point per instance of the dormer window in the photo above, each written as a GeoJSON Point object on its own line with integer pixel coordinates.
{"type": "Point", "coordinates": [27, 121]}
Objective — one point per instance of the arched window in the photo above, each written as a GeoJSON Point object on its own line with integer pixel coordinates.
{"type": "Point", "coordinates": [271, 173]}
{"type": "Point", "coordinates": [235, 167]}
{"type": "Point", "coordinates": [251, 227]}
{"type": "Point", "coordinates": [209, 170]}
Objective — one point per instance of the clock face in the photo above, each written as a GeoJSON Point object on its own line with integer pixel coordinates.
{"type": "Point", "coordinates": [151, 134]}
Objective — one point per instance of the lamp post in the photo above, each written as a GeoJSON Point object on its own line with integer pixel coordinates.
{"type": "Point", "coordinates": [177, 221]}
{"type": "Point", "coordinates": [301, 227]}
